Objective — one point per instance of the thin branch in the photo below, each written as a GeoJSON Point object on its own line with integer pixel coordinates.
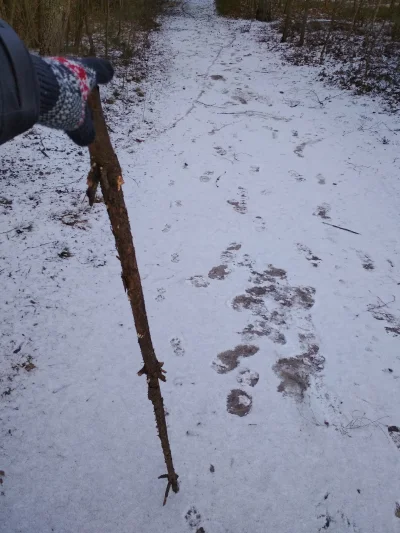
{"type": "Point", "coordinates": [106, 170]}
{"type": "Point", "coordinates": [340, 227]}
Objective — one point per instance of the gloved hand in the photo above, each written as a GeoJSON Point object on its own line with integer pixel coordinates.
{"type": "Point", "coordinates": [65, 84]}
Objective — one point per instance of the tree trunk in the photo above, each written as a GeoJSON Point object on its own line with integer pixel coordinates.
{"type": "Point", "coordinates": [92, 48]}
{"type": "Point", "coordinates": [304, 22]}
{"type": "Point", "coordinates": [107, 28]}
{"type": "Point", "coordinates": [288, 21]}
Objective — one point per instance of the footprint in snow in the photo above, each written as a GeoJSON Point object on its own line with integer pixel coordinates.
{"type": "Point", "coordinates": [193, 518]}
{"type": "Point", "coordinates": [229, 254]}
{"type": "Point", "coordinates": [248, 377]}
{"type": "Point", "coordinates": [206, 177]}
{"type": "Point", "coordinates": [314, 260]}
{"type": "Point", "coordinates": [230, 359]}
{"type": "Point", "coordinates": [219, 272]}
{"type": "Point", "coordinates": [239, 402]}
{"type": "Point", "coordinates": [259, 224]}
{"type": "Point", "coordinates": [160, 296]}
{"type": "Point", "coordinates": [322, 211]}
{"type": "Point", "coordinates": [199, 281]}
{"type": "Point", "coordinates": [366, 261]}
{"type": "Point", "coordinates": [177, 347]}
{"type": "Point", "coordinates": [240, 206]}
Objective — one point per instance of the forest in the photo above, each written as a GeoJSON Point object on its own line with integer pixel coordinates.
{"type": "Point", "coordinates": [355, 43]}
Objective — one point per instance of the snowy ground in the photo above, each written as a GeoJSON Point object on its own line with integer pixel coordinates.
{"type": "Point", "coordinates": [280, 333]}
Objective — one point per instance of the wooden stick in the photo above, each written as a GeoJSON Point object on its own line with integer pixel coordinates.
{"type": "Point", "coordinates": [340, 227]}
{"type": "Point", "coordinates": [105, 169]}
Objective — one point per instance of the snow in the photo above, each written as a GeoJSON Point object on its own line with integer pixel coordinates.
{"type": "Point", "coordinates": [242, 173]}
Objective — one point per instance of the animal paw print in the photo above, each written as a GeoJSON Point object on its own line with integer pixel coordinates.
{"type": "Point", "coordinates": [323, 211]}
{"type": "Point", "coordinates": [193, 518]}
{"type": "Point", "coordinates": [366, 261]}
{"type": "Point", "coordinates": [314, 260]}
{"type": "Point", "coordinates": [220, 151]}
{"type": "Point", "coordinates": [177, 347]}
{"type": "Point", "coordinates": [160, 296]}
{"type": "Point", "coordinates": [297, 176]}
{"type": "Point", "coordinates": [240, 206]}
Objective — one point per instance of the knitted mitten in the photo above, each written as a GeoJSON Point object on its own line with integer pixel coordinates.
{"type": "Point", "coordinates": [65, 84]}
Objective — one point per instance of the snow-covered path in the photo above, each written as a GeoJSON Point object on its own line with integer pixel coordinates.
{"type": "Point", "coordinates": [279, 332]}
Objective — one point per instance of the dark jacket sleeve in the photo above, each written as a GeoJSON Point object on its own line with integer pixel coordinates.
{"type": "Point", "coordinates": [19, 89]}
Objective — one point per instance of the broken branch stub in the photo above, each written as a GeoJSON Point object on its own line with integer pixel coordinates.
{"type": "Point", "coordinates": [106, 171]}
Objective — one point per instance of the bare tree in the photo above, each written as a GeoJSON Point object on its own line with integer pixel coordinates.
{"type": "Point", "coordinates": [303, 28]}
{"type": "Point", "coordinates": [288, 20]}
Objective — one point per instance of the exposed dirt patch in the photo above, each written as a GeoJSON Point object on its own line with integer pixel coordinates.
{"type": "Point", "coordinates": [244, 301]}
{"type": "Point", "coordinates": [270, 275]}
{"type": "Point", "coordinates": [276, 317]}
{"type": "Point", "coordinates": [296, 372]}
{"type": "Point", "coordinates": [239, 403]}
{"type": "Point", "coordinates": [257, 291]}
{"type": "Point", "coordinates": [294, 375]}
{"type": "Point", "coordinates": [229, 360]}
{"type": "Point", "coordinates": [292, 296]}
{"type": "Point", "coordinates": [219, 272]}
{"type": "Point", "coordinates": [248, 377]}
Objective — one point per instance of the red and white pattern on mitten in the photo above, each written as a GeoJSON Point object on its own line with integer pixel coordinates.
{"type": "Point", "coordinates": [75, 82]}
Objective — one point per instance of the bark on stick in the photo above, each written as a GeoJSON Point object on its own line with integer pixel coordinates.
{"type": "Point", "coordinates": [105, 169]}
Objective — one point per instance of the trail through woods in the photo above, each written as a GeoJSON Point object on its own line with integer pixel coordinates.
{"type": "Point", "coordinates": [280, 331]}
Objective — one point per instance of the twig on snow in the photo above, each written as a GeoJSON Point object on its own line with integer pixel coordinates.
{"type": "Point", "coordinates": [43, 149]}
{"type": "Point", "coordinates": [219, 177]}
{"type": "Point", "coordinates": [340, 227]}
{"type": "Point", "coordinates": [372, 307]}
